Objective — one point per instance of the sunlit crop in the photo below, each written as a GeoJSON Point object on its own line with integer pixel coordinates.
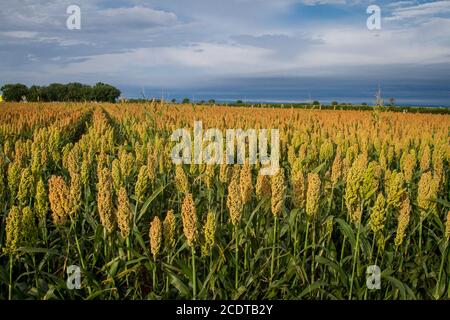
{"type": "Point", "coordinates": [94, 186]}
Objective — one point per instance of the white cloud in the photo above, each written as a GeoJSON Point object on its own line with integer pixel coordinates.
{"type": "Point", "coordinates": [400, 4]}
{"type": "Point", "coordinates": [340, 47]}
{"type": "Point", "coordinates": [175, 40]}
{"type": "Point", "coordinates": [421, 10]}
{"type": "Point", "coordinates": [220, 58]}
{"type": "Point", "coordinates": [138, 15]}
{"type": "Point", "coordinates": [316, 2]}
{"type": "Point", "coordinates": [19, 34]}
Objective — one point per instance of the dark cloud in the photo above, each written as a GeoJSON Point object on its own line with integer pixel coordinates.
{"type": "Point", "coordinates": [178, 42]}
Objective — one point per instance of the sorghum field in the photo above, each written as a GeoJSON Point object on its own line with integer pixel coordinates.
{"type": "Point", "coordinates": [93, 185]}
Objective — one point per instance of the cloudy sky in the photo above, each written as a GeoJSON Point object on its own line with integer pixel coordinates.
{"type": "Point", "coordinates": [173, 44]}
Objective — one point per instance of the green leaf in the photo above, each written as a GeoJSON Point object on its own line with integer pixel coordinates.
{"type": "Point", "coordinates": [253, 213]}
{"type": "Point", "coordinates": [347, 231]}
{"type": "Point", "coordinates": [179, 284]}
{"type": "Point", "coordinates": [397, 284]}
{"type": "Point", "coordinates": [320, 167]}
{"type": "Point", "coordinates": [148, 201]}
{"type": "Point", "coordinates": [334, 266]}
{"type": "Point", "coordinates": [444, 202]}
{"type": "Point", "coordinates": [309, 289]}
{"type": "Point", "coordinates": [38, 250]}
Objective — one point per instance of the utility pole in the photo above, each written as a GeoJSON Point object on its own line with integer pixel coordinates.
{"type": "Point", "coordinates": [379, 100]}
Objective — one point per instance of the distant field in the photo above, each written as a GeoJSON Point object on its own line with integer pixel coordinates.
{"type": "Point", "coordinates": [341, 106]}
{"type": "Point", "coordinates": [94, 186]}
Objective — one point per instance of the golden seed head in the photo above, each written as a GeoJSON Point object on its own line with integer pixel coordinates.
{"type": "Point", "coordinates": [28, 227]}
{"type": "Point", "coordinates": [353, 200]}
{"type": "Point", "coordinates": [169, 227]}
{"type": "Point", "coordinates": [35, 160]}
{"type": "Point", "coordinates": [181, 180]}
{"type": "Point", "coordinates": [75, 192]}
{"type": "Point", "coordinates": [140, 154]}
{"type": "Point", "coordinates": [395, 189]}
{"type": "Point", "coordinates": [116, 175]}
{"type": "Point", "coordinates": [371, 180]}
{"type": "Point", "coordinates": [123, 213]}
{"type": "Point", "coordinates": [41, 204]}
{"type": "Point", "coordinates": [298, 189]}
{"type": "Point", "coordinates": [336, 169]}
{"type": "Point", "coordinates": [409, 166]}
{"type": "Point", "coordinates": [151, 162]}
{"type": "Point", "coordinates": [403, 221]}
{"type": "Point", "coordinates": [302, 151]}
{"type": "Point", "coordinates": [425, 159]}
{"type": "Point", "coordinates": [390, 155]}
{"type": "Point", "coordinates": [263, 187]}
{"type": "Point", "coordinates": [26, 186]}
{"type": "Point", "coordinates": [313, 194]}
{"type": "Point", "coordinates": [14, 176]}
{"type": "Point", "coordinates": [73, 160]}
{"type": "Point", "coordinates": [102, 160]}
{"type": "Point", "coordinates": [105, 200]}
{"type": "Point", "coordinates": [189, 217]}
{"type": "Point", "coordinates": [351, 153]}
{"type": "Point", "coordinates": [345, 168]}
{"type": "Point", "coordinates": [161, 160]}
{"type": "Point", "coordinates": [326, 151]}
{"type": "Point", "coordinates": [85, 174]}
{"type": "Point", "coordinates": [447, 226]}
{"type": "Point", "coordinates": [20, 152]}
{"type": "Point", "coordinates": [246, 183]}
{"type": "Point", "coordinates": [426, 194]}
{"type": "Point", "coordinates": [209, 230]}
{"type": "Point", "coordinates": [378, 214]}
{"type": "Point", "coordinates": [126, 164]}
{"type": "Point", "coordinates": [209, 177]}
{"type": "Point", "coordinates": [59, 196]}
{"type": "Point", "coordinates": [291, 154]}
{"type": "Point", "coordinates": [234, 200]}
{"type": "Point", "coordinates": [142, 184]}
{"type": "Point", "coordinates": [224, 172]}
{"type": "Point", "coordinates": [438, 166]}
{"type": "Point", "coordinates": [155, 236]}
{"type": "Point", "coordinates": [13, 227]}
{"type": "Point", "coordinates": [278, 189]}
{"type": "Point", "coordinates": [2, 182]}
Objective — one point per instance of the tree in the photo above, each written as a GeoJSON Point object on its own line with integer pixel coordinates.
{"type": "Point", "coordinates": [186, 101]}
{"type": "Point", "coordinates": [57, 92]}
{"type": "Point", "coordinates": [316, 103]}
{"type": "Point", "coordinates": [392, 101]}
{"type": "Point", "coordinates": [212, 101]}
{"type": "Point", "coordinates": [105, 93]}
{"type": "Point", "coordinates": [334, 103]}
{"type": "Point", "coordinates": [36, 94]}
{"type": "Point", "coordinates": [14, 92]}
{"type": "Point", "coordinates": [174, 100]}
{"type": "Point", "coordinates": [239, 102]}
{"type": "Point", "coordinates": [74, 92]}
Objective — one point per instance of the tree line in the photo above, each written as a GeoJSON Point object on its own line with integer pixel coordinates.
{"type": "Point", "coordinates": [56, 92]}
